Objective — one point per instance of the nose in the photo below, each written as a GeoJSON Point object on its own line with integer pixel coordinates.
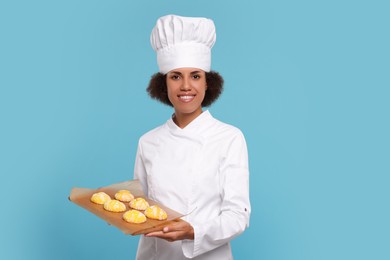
{"type": "Point", "coordinates": [186, 86]}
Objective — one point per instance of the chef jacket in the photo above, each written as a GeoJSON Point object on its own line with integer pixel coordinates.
{"type": "Point", "coordinates": [200, 170]}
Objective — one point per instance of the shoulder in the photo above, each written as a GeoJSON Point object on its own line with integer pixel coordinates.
{"type": "Point", "coordinates": [224, 134]}
{"type": "Point", "coordinates": [152, 134]}
{"type": "Point", "coordinates": [230, 141]}
{"type": "Point", "coordinates": [225, 129]}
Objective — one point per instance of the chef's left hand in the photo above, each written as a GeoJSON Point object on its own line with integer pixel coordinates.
{"type": "Point", "coordinates": [177, 230]}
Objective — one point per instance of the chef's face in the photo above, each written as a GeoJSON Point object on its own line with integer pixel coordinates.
{"type": "Point", "coordinates": [186, 89]}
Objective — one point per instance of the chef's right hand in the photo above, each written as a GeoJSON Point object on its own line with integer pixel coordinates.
{"type": "Point", "coordinates": [177, 230]}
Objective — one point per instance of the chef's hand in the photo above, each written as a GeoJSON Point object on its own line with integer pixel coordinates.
{"type": "Point", "coordinates": [177, 230]}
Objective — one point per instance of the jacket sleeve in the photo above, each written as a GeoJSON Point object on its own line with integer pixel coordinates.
{"type": "Point", "coordinates": [235, 208]}
{"type": "Point", "coordinates": [139, 170]}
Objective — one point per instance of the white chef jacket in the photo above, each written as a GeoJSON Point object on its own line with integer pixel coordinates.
{"type": "Point", "coordinates": [201, 169]}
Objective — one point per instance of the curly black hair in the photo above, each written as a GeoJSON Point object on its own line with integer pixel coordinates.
{"type": "Point", "coordinates": [157, 88]}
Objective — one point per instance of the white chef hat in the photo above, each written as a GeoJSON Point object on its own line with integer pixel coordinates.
{"type": "Point", "coordinates": [183, 42]}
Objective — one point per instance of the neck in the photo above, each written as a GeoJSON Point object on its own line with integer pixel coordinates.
{"type": "Point", "coordinates": [184, 119]}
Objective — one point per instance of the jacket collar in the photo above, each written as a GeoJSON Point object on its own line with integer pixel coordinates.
{"type": "Point", "coordinates": [196, 127]}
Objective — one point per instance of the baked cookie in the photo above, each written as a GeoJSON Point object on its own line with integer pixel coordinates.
{"type": "Point", "coordinates": [124, 195]}
{"type": "Point", "coordinates": [139, 203]}
{"type": "Point", "coordinates": [134, 216]}
{"type": "Point", "coordinates": [114, 206]}
{"type": "Point", "coordinates": [100, 198]}
{"type": "Point", "coordinates": [155, 212]}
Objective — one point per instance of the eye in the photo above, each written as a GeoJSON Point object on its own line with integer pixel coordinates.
{"type": "Point", "coordinates": [196, 76]}
{"type": "Point", "coordinates": [175, 77]}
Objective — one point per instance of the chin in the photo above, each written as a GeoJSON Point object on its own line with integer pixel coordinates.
{"type": "Point", "coordinates": [187, 110]}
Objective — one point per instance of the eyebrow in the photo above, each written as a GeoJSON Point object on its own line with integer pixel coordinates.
{"type": "Point", "coordinates": [192, 72]}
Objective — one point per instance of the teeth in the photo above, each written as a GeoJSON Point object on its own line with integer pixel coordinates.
{"type": "Point", "coordinates": [186, 97]}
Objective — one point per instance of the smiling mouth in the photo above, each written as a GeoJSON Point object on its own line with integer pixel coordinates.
{"type": "Point", "coordinates": [186, 98]}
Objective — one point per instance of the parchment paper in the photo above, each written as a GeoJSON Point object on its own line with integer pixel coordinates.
{"type": "Point", "coordinates": [82, 196]}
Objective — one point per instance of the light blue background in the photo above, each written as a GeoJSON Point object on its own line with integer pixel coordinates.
{"type": "Point", "coordinates": [306, 81]}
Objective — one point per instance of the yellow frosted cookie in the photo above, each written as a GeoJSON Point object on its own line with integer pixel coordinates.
{"type": "Point", "coordinates": [139, 203]}
{"type": "Point", "coordinates": [155, 212]}
{"type": "Point", "coordinates": [114, 206]}
{"type": "Point", "coordinates": [100, 198]}
{"type": "Point", "coordinates": [124, 195]}
{"type": "Point", "coordinates": [134, 216]}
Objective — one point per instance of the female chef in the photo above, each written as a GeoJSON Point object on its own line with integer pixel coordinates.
{"type": "Point", "coordinates": [194, 163]}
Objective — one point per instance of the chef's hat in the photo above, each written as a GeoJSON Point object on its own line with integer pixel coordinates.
{"type": "Point", "coordinates": [183, 42]}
